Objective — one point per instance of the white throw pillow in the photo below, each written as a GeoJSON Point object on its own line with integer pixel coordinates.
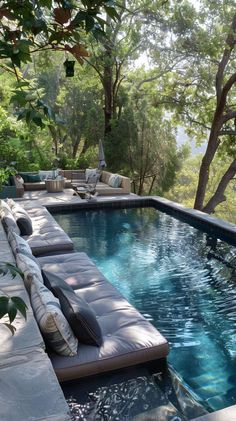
{"type": "Point", "coordinates": [11, 203]}
{"type": "Point", "coordinates": [8, 220]}
{"type": "Point", "coordinates": [5, 205]}
{"type": "Point", "coordinates": [47, 174]}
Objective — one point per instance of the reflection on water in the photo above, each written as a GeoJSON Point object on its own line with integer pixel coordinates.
{"type": "Point", "coordinates": [180, 279]}
{"type": "Point", "coordinates": [131, 395]}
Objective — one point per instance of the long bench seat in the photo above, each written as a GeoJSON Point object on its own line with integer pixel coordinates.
{"type": "Point", "coordinates": [48, 237]}
{"type": "Point", "coordinates": [128, 338]}
{"type": "Point", "coordinates": [29, 387]}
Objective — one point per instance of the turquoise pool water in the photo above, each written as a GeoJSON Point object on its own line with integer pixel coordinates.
{"type": "Point", "coordinates": [180, 279]}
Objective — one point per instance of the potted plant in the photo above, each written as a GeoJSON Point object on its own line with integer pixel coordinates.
{"type": "Point", "coordinates": [5, 173]}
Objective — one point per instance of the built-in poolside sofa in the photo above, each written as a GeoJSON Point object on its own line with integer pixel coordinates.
{"type": "Point", "coordinates": [29, 387]}
{"type": "Point", "coordinates": [127, 337]}
{"type": "Point", "coordinates": [103, 187]}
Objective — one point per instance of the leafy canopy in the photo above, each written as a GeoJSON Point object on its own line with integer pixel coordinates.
{"type": "Point", "coordinates": [37, 25]}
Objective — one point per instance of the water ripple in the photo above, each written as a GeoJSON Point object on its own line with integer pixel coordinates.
{"type": "Point", "coordinates": [180, 279]}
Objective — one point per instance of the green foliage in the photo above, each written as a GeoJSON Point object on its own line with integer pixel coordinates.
{"type": "Point", "coordinates": [185, 185]}
{"type": "Point", "coordinates": [5, 174]}
{"type": "Point", "coordinates": [88, 159]}
{"type": "Point", "coordinates": [11, 305]}
{"type": "Point", "coordinates": [45, 25]}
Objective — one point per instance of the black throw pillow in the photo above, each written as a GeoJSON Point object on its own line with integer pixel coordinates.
{"type": "Point", "coordinates": [79, 315]}
{"type": "Point", "coordinates": [23, 220]}
{"type": "Point", "coordinates": [24, 224]}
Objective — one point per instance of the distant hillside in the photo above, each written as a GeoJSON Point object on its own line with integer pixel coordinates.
{"type": "Point", "coordinates": [182, 138]}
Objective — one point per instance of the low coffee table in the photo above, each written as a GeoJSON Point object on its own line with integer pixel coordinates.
{"type": "Point", "coordinates": [54, 186]}
{"type": "Point", "coordinates": [84, 192]}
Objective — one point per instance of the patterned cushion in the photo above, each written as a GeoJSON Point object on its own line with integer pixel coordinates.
{"type": "Point", "coordinates": [30, 269]}
{"type": "Point", "coordinates": [80, 316]}
{"type": "Point", "coordinates": [8, 220]}
{"type": "Point", "coordinates": [91, 175]}
{"type": "Point", "coordinates": [5, 205]}
{"type": "Point", "coordinates": [114, 180]}
{"type": "Point", "coordinates": [18, 244]}
{"type": "Point", "coordinates": [17, 208]}
{"type": "Point", "coordinates": [11, 203]}
{"type": "Point", "coordinates": [47, 174]}
{"type": "Point", "coordinates": [53, 325]}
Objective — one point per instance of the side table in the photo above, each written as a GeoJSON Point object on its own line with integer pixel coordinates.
{"type": "Point", "coordinates": [54, 186]}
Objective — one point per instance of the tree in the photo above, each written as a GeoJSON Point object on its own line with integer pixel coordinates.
{"type": "Point", "coordinates": [225, 112]}
{"type": "Point", "coordinates": [184, 188]}
{"type": "Point", "coordinates": [31, 26]}
{"type": "Point", "coordinates": [111, 57]}
{"type": "Point", "coordinates": [195, 44]}
{"type": "Point", "coordinates": [152, 151]}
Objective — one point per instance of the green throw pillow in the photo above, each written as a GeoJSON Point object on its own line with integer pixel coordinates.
{"type": "Point", "coordinates": [30, 178]}
{"type": "Point", "coordinates": [33, 178]}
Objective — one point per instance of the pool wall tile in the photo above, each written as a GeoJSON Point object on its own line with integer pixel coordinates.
{"type": "Point", "coordinates": [212, 225]}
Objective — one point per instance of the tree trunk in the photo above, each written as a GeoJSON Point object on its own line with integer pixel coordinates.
{"type": "Point", "coordinates": [219, 197]}
{"type": "Point", "coordinates": [205, 167]}
{"type": "Point", "coordinates": [222, 91]}
{"type": "Point", "coordinates": [152, 184]}
{"type": "Point", "coordinates": [108, 89]}
{"type": "Point", "coordinates": [141, 184]}
{"type": "Point", "coordinates": [75, 147]}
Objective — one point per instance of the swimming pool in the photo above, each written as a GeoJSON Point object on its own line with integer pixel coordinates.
{"type": "Point", "coordinates": [179, 278]}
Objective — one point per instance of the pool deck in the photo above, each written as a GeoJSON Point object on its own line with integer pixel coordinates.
{"type": "Point", "coordinates": [67, 199]}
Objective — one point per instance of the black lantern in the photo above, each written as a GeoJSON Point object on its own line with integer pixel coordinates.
{"type": "Point", "coordinates": [69, 67]}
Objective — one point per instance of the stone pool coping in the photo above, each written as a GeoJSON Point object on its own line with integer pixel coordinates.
{"type": "Point", "coordinates": [226, 414]}
{"type": "Point", "coordinates": [215, 226]}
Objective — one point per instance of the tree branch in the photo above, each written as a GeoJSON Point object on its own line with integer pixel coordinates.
{"type": "Point", "coordinates": [231, 41]}
{"type": "Point", "coordinates": [228, 116]}
{"type": "Point", "coordinates": [219, 197]}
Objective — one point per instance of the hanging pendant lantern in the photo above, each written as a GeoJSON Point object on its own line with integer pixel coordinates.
{"type": "Point", "coordinates": [69, 67]}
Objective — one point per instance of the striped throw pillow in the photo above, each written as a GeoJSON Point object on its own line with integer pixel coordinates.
{"type": "Point", "coordinates": [114, 180]}
{"type": "Point", "coordinates": [52, 323]}
{"type": "Point", "coordinates": [17, 242]}
{"type": "Point", "coordinates": [29, 267]}
{"type": "Point", "coordinates": [8, 220]}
